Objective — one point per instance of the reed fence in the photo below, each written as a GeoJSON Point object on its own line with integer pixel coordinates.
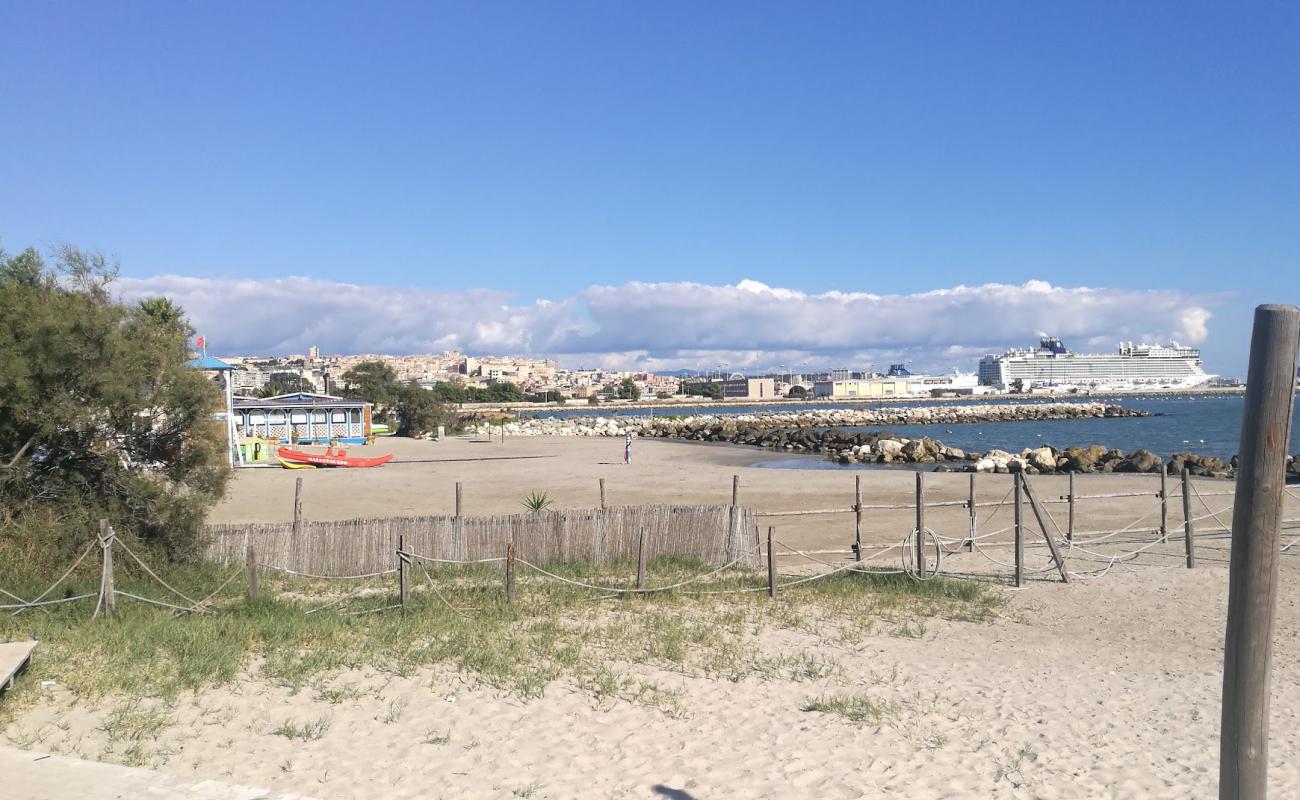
{"type": "Point", "coordinates": [712, 534]}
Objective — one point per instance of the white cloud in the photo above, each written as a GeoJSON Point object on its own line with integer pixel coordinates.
{"type": "Point", "coordinates": [669, 325]}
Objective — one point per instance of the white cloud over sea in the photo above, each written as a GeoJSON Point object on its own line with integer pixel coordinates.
{"type": "Point", "coordinates": [673, 325]}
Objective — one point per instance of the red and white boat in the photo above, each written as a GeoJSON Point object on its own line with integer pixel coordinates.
{"type": "Point", "coordinates": [331, 458]}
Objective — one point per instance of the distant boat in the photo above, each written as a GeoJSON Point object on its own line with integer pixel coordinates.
{"type": "Point", "coordinates": [331, 458]}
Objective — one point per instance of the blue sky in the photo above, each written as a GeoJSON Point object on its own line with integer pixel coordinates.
{"type": "Point", "coordinates": [500, 153]}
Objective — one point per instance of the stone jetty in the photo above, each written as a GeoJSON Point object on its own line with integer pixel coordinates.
{"type": "Point", "coordinates": [818, 431]}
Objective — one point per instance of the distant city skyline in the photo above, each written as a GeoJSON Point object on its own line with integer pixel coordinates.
{"type": "Point", "coordinates": [600, 181]}
{"type": "Point", "coordinates": [744, 327]}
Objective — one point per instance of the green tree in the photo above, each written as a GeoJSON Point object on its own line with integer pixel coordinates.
{"type": "Point", "coordinates": [452, 391]}
{"type": "Point", "coordinates": [711, 389]}
{"type": "Point", "coordinates": [286, 383]}
{"type": "Point", "coordinates": [505, 392]}
{"type": "Point", "coordinates": [376, 383]}
{"type": "Point", "coordinates": [628, 390]}
{"type": "Point", "coordinates": [418, 411]}
{"type": "Point", "coordinates": [100, 414]}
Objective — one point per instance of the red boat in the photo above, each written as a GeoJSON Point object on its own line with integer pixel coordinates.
{"type": "Point", "coordinates": [331, 458]}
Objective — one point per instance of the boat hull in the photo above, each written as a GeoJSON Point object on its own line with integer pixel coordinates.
{"type": "Point", "coordinates": [330, 459]}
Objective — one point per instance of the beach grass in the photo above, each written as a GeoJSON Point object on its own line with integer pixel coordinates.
{"type": "Point", "coordinates": [300, 633]}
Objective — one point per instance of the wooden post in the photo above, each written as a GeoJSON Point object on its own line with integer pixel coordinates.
{"type": "Point", "coordinates": [771, 562]}
{"type": "Point", "coordinates": [1189, 531]}
{"type": "Point", "coordinates": [458, 524]}
{"type": "Point", "coordinates": [640, 561]}
{"type": "Point", "coordinates": [510, 573]}
{"type": "Point", "coordinates": [250, 561]}
{"type": "Point", "coordinates": [920, 524]}
{"type": "Point", "coordinates": [598, 546]}
{"type": "Point", "coordinates": [297, 523]}
{"type": "Point", "coordinates": [974, 522]}
{"type": "Point", "coordinates": [857, 518]}
{"type": "Point", "coordinates": [1253, 568]}
{"type": "Point", "coordinates": [733, 526]}
{"type": "Point", "coordinates": [403, 571]}
{"type": "Point", "coordinates": [1020, 533]}
{"type": "Point", "coordinates": [1164, 505]}
{"type": "Point", "coordinates": [1069, 524]}
{"type": "Point", "coordinates": [107, 593]}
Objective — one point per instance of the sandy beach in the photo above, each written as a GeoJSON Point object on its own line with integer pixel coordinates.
{"type": "Point", "coordinates": [1103, 688]}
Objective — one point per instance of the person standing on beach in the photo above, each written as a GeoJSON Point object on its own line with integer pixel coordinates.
{"type": "Point", "coordinates": [627, 449]}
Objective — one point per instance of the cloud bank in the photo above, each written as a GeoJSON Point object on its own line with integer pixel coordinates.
{"type": "Point", "coordinates": [662, 326]}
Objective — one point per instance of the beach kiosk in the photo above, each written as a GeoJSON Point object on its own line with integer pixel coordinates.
{"type": "Point", "coordinates": [304, 418]}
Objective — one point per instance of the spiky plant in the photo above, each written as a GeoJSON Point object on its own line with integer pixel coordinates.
{"type": "Point", "coordinates": [537, 502]}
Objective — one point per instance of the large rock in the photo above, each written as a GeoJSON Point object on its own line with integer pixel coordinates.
{"type": "Point", "coordinates": [1140, 461]}
{"type": "Point", "coordinates": [1042, 459]}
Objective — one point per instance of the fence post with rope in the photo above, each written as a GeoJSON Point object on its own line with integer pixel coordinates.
{"type": "Point", "coordinates": [771, 562]}
{"type": "Point", "coordinates": [106, 590]}
{"type": "Point", "coordinates": [1019, 531]}
{"type": "Point", "coordinates": [510, 573]}
{"type": "Point", "coordinates": [1189, 531]}
{"type": "Point", "coordinates": [250, 565]}
{"type": "Point", "coordinates": [1253, 565]}
{"type": "Point", "coordinates": [920, 523]}
{"type": "Point", "coordinates": [973, 522]}
{"type": "Point", "coordinates": [857, 520]}
{"type": "Point", "coordinates": [1069, 523]}
{"type": "Point", "coordinates": [1164, 504]}
{"type": "Point", "coordinates": [403, 571]}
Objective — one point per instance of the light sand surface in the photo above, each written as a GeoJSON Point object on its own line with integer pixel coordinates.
{"type": "Point", "coordinates": [1104, 688]}
{"type": "Point", "coordinates": [1107, 689]}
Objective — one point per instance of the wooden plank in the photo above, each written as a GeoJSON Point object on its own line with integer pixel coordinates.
{"type": "Point", "coordinates": [1253, 569]}
{"type": "Point", "coordinates": [14, 658]}
{"type": "Point", "coordinates": [973, 523]}
{"type": "Point", "coordinates": [1047, 534]}
{"type": "Point", "coordinates": [510, 573]}
{"type": "Point", "coordinates": [107, 594]}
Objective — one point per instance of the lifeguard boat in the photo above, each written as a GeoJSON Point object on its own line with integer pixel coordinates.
{"type": "Point", "coordinates": [331, 458]}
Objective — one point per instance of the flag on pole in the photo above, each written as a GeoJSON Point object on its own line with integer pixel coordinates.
{"type": "Point", "coordinates": [202, 343]}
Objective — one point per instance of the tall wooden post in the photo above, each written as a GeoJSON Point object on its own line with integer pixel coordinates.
{"type": "Point", "coordinates": [973, 511]}
{"type": "Point", "coordinates": [1252, 572]}
{"type": "Point", "coordinates": [458, 524]}
{"type": "Point", "coordinates": [733, 525]}
{"type": "Point", "coordinates": [771, 562]}
{"type": "Point", "coordinates": [640, 560]}
{"type": "Point", "coordinates": [107, 594]}
{"type": "Point", "coordinates": [403, 571]}
{"type": "Point", "coordinates": [297, 523]}
{"type": "Point", "coordinates": [1189, 531]}
{"type": "Point", "coordinates": [1020, 532]}
{"type": "Point", "coordinates": [250, 565]}
{"type": "Point", "coordinates": [1164, 505]}
{"type": "Point", "coordinates": [1069, 525]}
{"type": "Point", "coordinates": [510, 573]}
{"type": "Point", "coordinates": [598, 546]}
{"type": "Point", "coordinates": [857, 517]}
{"type": "Point", "coordinates": [920, 523]}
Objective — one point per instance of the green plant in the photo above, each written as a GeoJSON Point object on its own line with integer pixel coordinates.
{"type": "Point", "coordinates": [537, 502]}
{"type": "Point", "coordinates": [853, 707]}
{"type": "Point", "coordinates": [307, 732]}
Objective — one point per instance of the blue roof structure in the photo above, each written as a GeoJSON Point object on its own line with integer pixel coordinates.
{"type": "Point", "coordinates": [206, 361]}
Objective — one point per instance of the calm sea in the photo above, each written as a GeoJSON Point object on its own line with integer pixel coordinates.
{"type": "Point", "coordinates": [1209, 425]}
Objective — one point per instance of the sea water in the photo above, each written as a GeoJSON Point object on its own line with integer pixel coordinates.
{"type": "Point", "coordinates": [1203, 424]}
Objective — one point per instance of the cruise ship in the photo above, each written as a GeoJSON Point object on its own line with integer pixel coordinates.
{"type": "Point", "coordinates": [1052, 367]}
